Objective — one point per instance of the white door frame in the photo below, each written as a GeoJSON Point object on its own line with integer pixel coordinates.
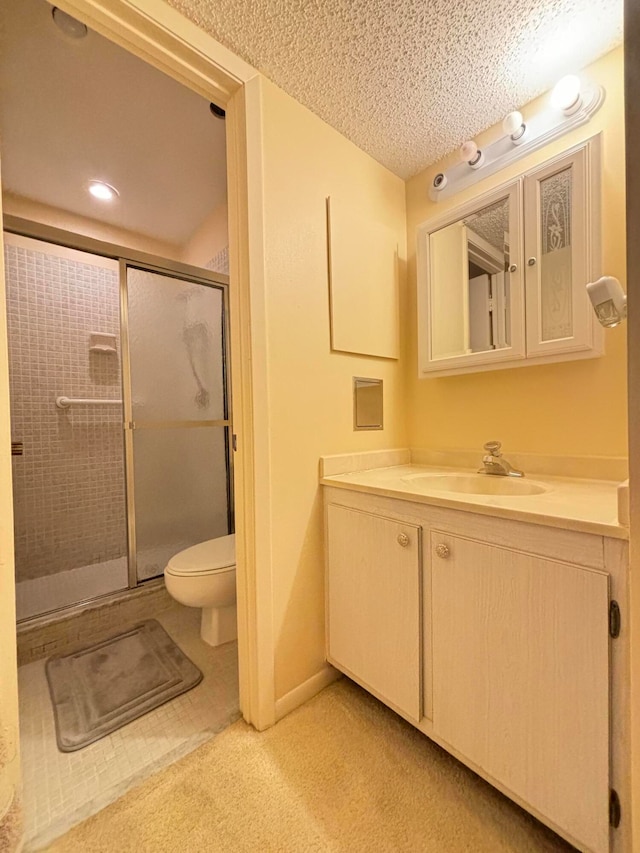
{"type": "Point", "coordinates": [162, 37]}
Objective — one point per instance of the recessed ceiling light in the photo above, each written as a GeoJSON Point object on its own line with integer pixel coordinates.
{"type": "Point", "coordinates": [105, 192]}
{"type": "Point", "coordinates": [69, 26]}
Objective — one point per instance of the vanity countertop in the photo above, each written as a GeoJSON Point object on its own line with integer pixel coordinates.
{"type": "Point", "coordinates": [588, 506]}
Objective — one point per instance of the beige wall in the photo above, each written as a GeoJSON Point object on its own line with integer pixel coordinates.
{"type": "Point", "coordinates": [44, 214]}
{"type": "Point", "coordinates": [310, 403]}
{"type": "Point", "coordinates": [210, 238]}
{"type": "Point", "coordinates": [574, 408]}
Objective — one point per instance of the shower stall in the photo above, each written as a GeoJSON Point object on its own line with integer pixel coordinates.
{"type": "Point", "coordinates": [121, 434]}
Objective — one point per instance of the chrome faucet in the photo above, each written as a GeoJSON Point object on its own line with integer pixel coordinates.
{"type": "Point", "coordinates": [494, 462]}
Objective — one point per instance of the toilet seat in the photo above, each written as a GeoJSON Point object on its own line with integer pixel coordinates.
{"type": "Point", "coordinates": [205, 558]}
{"type": "Point", "coordinates": [204, 576]}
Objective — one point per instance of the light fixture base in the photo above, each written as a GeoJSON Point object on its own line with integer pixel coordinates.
{"type": "Point", "coordinates": [541, 129]}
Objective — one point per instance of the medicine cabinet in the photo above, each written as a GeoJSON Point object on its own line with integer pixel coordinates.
{"type": "Point", "coordinates": [502, 279]}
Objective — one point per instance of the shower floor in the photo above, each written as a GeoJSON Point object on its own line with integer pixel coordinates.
{"type": "Point", "coordinates": [63, 589]}
{"type": "Point", "coordinates": [62, 789]}
{"type": "Point", "coordinates": [74, 586]}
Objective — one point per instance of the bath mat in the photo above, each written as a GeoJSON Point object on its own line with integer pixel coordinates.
{"type": "Point", "coordinates": [99, 689]}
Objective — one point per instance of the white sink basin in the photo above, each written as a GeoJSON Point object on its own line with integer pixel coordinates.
{"type": "Point", "coordinates": [475, 484]}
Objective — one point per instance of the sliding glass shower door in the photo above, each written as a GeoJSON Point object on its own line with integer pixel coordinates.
{"type": "Point", "coordinates": [176, 415]}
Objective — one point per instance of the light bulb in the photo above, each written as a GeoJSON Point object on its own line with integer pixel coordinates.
{"type": "Point", "coordinates": [102, 191]}
{"type": "Point", "coordinates": [566, 94]}
{"type": "Point", "coordinates": [471, 154]}
{"type": "Point", "coordinates": [468, 150]}
{"type": "Point", "coordinates": [514, 127]}
{"type": "Point", "coordinates": [512, 123]}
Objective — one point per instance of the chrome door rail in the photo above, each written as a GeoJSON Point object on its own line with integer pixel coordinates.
{"type": "Point", "coordinates": [174, 424]}
{"type": "Point", "coordinates": [128, 418]}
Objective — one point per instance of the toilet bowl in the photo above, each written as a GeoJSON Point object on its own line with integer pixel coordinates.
{"type": "Point", "coordinates": [205, 576]}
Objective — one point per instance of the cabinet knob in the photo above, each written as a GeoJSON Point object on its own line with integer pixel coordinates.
{"type": "Point", "coordinates": [403, 539]}
{"type": "Point", "coordinates": [513, 268]}
{"type": "Point", "coordinates": [531, 262]}
{"type": "Point", "coordinates": [442, 550]}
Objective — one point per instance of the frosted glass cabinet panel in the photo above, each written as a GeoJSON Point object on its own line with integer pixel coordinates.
{"type": "Point", "coordinates": [559, 233]}
{"type": "Point", "coordinates": [556, 315]}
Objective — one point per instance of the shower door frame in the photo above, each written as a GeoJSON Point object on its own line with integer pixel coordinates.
{"type": "Point", "coordinates": [205, 279]}
{"type": "Point", "coordinates": [160, 266]}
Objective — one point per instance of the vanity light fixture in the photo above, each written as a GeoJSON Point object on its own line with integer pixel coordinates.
{"type": "Point", "coordinates": [102, 191]}
{"type": "Point", "coordinates": [573, 102]}
{"type": "Point", "coordinates": [609, 301]}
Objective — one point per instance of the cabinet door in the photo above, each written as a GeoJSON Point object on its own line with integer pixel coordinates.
{"type": "Point", "coordinates": [458, 330]}
{"type": "Point", "coordinates": [561, 248]}
{"type": "Point", "coordinates": [373, 601]}
{"type": "Point", "coordinates": [521, 683]}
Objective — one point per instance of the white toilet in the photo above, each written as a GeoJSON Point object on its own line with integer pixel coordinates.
{"type": "Point", "coordinates": [205, 576]}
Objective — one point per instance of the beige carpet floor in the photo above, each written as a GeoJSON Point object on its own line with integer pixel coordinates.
{"type": "Point", "coordinates": [342, 773]}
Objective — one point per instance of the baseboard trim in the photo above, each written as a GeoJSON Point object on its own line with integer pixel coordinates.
{"type": "Point", "coordinates": [305, 691]}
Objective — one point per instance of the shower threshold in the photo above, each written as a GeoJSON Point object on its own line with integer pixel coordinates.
{"type": "Point", "coordinates": [73, 588]}
{"type": "Point", "coordinates": [64, 589]}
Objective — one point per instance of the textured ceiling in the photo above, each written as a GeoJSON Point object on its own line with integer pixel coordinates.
{"type": "Point", "coordinates": [492, 223]}
{"type": "Point", "coordinates": [410, 80]}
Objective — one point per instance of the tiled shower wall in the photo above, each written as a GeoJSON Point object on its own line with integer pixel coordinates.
{"type": "Point", "coordinates": [220, 262]}
{"type": "Point", "coordinates": [69, 484]}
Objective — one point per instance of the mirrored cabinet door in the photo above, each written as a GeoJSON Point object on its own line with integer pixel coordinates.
{"type": "Point", "coordinates": [561, 251]}
{"type": "Point", "coordinates": [471, 286]}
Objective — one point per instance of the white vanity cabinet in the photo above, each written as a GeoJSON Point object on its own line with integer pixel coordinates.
{"type": "Point", "coordinates": [373, 598]}
{"type": "Point", "coordinates": [492, 637]}
{"type": "Point", "coordinates": [521, 676]}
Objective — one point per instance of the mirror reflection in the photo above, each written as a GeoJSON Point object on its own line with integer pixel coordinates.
{"type": "Point", "coordinates": [470, 297]}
